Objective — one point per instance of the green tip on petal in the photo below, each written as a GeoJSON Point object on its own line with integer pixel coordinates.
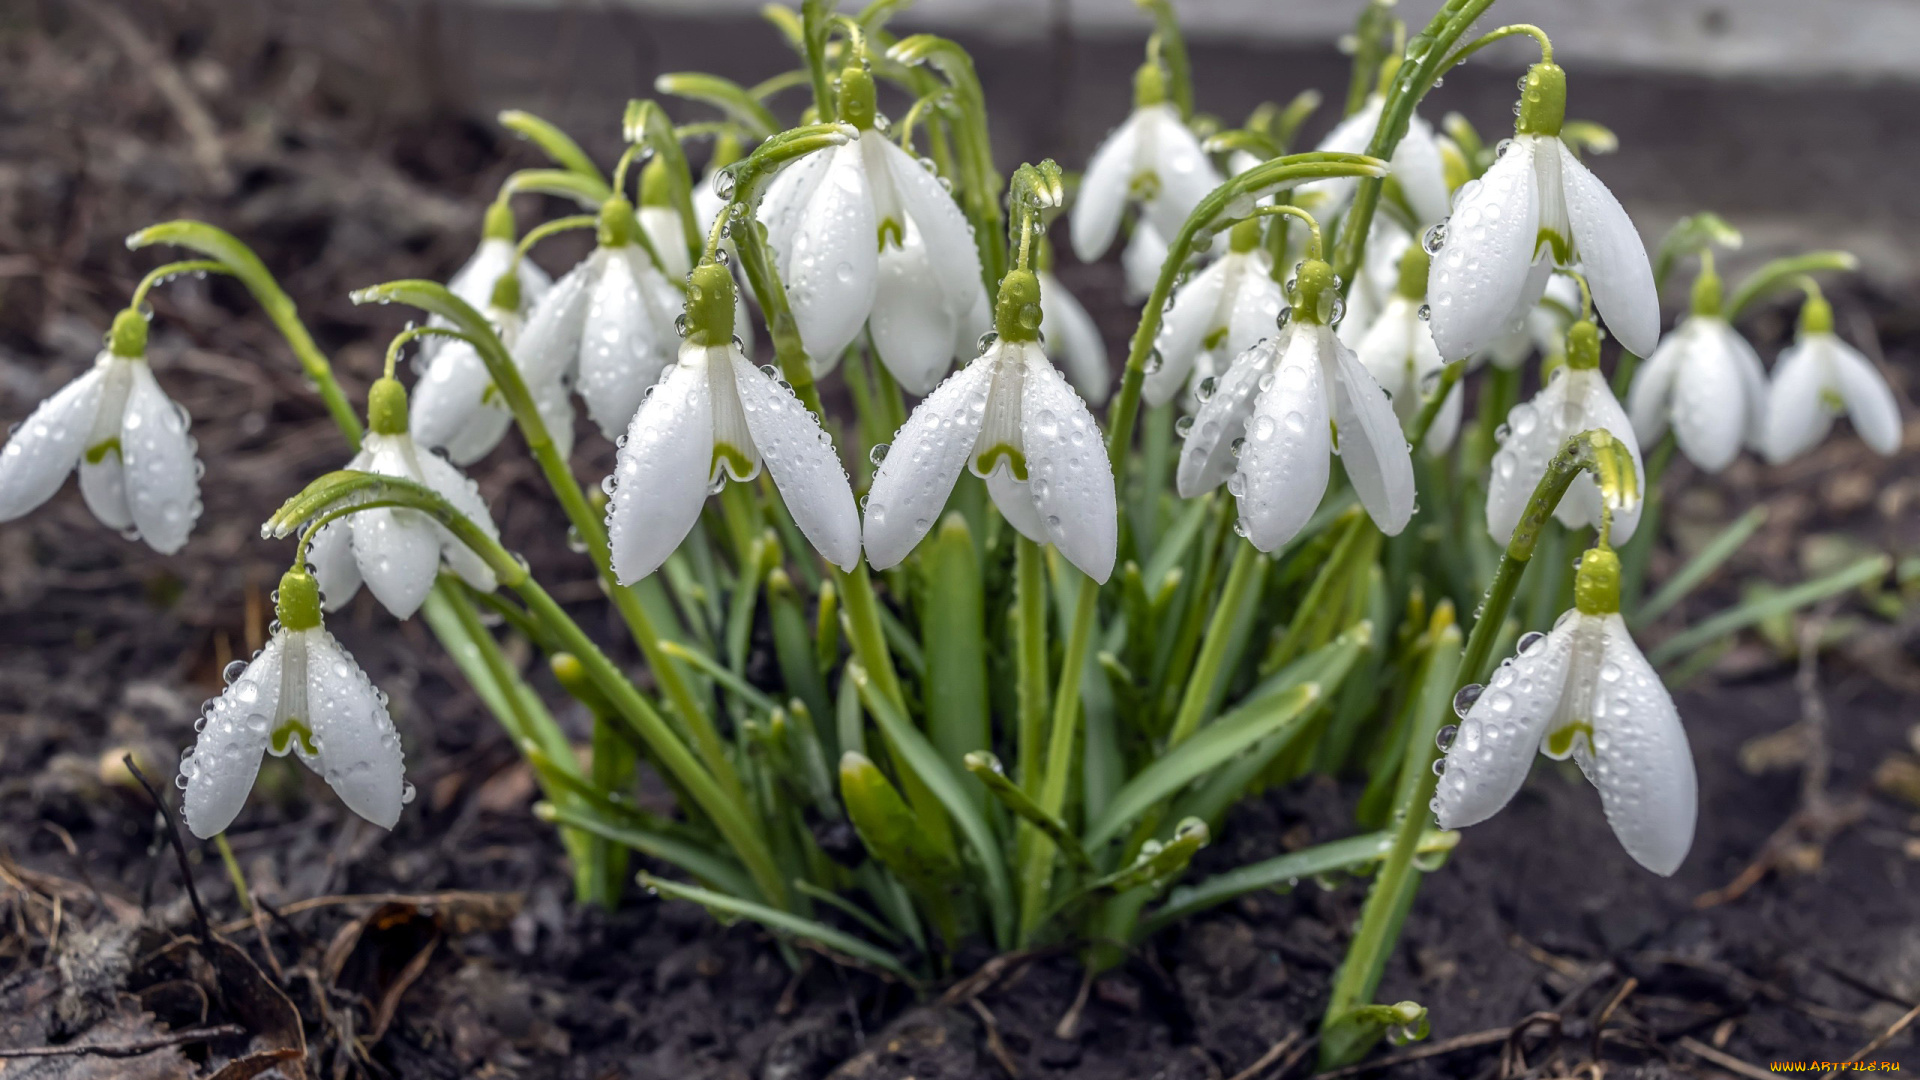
{"type": "Point", "coordinates": [1413, 272]}
{"type": "Point", "coordinates": [297, 605]}
{"type": "Point", "coordinates": [1543, 101]}
{"type": "Point", "coordinates": [506, 292]}
{"type": "Point", "coordinates": [709, 305]}
{"type": "Point", "coordinates": [128, 337]}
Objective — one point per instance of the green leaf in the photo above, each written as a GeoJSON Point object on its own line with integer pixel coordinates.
{"type": "Point", "coordinates": [1209, 748]}
{"type": "Point", "coordinates": [1157, 863]}
{"type": "Point", "coordinates": [588, 191]}
{"type": "Point", "coordinates": [556, 144]}
{"type": "Point", "coordinates": [1699, 568]}
{"type": "Point", "coordinates": [781, 922]}
{"type": "Point", "coordinates": [952, 625]}
{"type": "Point", "coordinates": [1740, 616]}
{"type": "Point", "coordinates": [1781, 273]}
{"type": "Point", "coordinates": [1689, 235]}
{"type": "Point", "coordinates": [793, 644]}
{"type": "Point", "coordinates": [720, 872]}
{"type": "Point", "coordinates": [1351, 855]}
{"type": "Point", "coordinates": [920, 756]}
{"type": "Point", "coordinates": [893, 834]}
{"type": "Point", "coordinates": [724, 94]}
{"type": "Point", "coordinates": [993, 774]}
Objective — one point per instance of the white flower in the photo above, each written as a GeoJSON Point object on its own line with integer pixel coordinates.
{"type": "Point", "coordinates": [138, 472]}
{"type": "Point", "coordinates": [475, 279]}
{"type": "Point", "coordinates": [1140, 262]}
{"type": "Point", "coordinates": [1575, 399]}
{"type": "Point", "coordinates": [1011, 418]}
{"type": "Point", "coordinates": [715, 416]}
{"type": "Point", "coordinates": [1707, 382]}
{"type": "Point", "coordinates": [1818, 378]}
{"type": "Point", "coordinates": [1544, 330]}
{"type": "Point", "coordinates": [1278, 406]}
{"type": "Point", "coordinates": [1399, 353]}
{"type": "Point", "coordinates": [1153, 160]}
{"type": "Point", "coordinates": [394, 550]}
{"type": "Point", "coordinates": [302, 693]}
{"type": "Point", "coordinates": [1537, 208]}
{"type": "Point", "coordinates": [917, 288]}
{"type": "Point", "coordinates": [1219, 313]}
{"type": "Point", "coordinates": [1583, 690]}
{"type": "Point", "coordinates": [1379, 273]}
{"type": "Point", "coordinates": [457, 408]}
{"type": "Point", "coordinates": [1416, 166]}
{"type": "Point", "coordinates": [1075, 341]}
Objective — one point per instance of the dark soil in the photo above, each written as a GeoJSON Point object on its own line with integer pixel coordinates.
{"type": "Point", "coordinates": [450, 947]}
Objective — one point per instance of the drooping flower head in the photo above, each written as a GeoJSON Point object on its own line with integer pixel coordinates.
{"type": "Point", "coordinates": [714, 417]}
{"type": "Point", "coordinates": [1576, 398]}
{"type": "Point", "coordinates": [1072, 338]}
{"type": "Point", "coordinates": [301, 694]}
{"type": "Point", "coordinates": [864, 235]}
{"type": "Point", "coordinates": [1416, 169]}
{"type": "Point", "coordinates": [1583, 690]}
{"type": "Point", "coordinates": [1399, 353]}
{"type": "Point", "coordinates": [1820, 377]}
{"type": "Point", "coordinates": [129, 441]}
{"type": "Point", "coordinates": [1012, 419]}
{"type": "Point", "coordinates": [1280, 407]}
{"type": "Point", "coordinates": [1537, 208]}
{"type": "Point", "coordinates": [1705, 381]}
{"type": "Point", "coordinates": [1217, 315]}
{"type": "Point", "coordinates": [395, 551]}
{"type": "Point", "coordinates": [455, 405]}
{"type": "Point", "coordinates": [1152, 160]}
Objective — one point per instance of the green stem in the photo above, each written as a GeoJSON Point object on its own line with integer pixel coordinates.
{"type": "Point", "coordinates": [1030, 596]}
{"type": "Point", "coordinates": [1037, 874]}
{"type": "Point", "coordinates": [1206, 668]}
{"type": "Point", "coordinates": [1173, 55]}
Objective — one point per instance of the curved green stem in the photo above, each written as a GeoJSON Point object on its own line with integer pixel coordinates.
{"type": "Point", "coordinates": [1450, 376]}
{"type": "Point", "coordinates": [412, 333]}
{"type": "Point", "coordinates": [552, 228]}
{"type": "Point", "coordinates": [1785, 273]}
{"type": "Point", "coordinates": [979, 184]}
{"type": "Point", "coordinates": [814, 18]}
{"type": "Point", "coordinates": [646, 122]}
{"type": "Point", "coordinates": [168, 271]}
{"type": "Point", "coordinates": [738, 103]}
{"type": "Point", "coordinates": [557, 144]}
{"type": "Point", "coordinates": [1173, 55]}
{"type": "Point", "coordinates": [588, 191]}
{"type": "Point", "coordinates": [1501, 34]}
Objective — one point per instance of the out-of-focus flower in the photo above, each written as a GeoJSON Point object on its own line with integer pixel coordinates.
{"type": "Point", "coordinates": [1218, 314]}
{"type": "Point", "coordinates": [1152, 160]}
{"type": "Point", "coordinates": [1704, 380]}
{"type": "Point", "coordinates": [1400, 355]}
{"type": "Point", "coordinates": [1820, 377]}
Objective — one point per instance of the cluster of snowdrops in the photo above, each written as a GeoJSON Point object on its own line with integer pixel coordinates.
{"type": "Point", "coordinates": [1231, 586]}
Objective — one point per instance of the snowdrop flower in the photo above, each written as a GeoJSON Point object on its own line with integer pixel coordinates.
{"type": "Point", "coordinates": [302, 693]}
{"type": "Point", "coordinates": [474, 281]}
{"type": "Point", "coordinates": [1575, 399]}
{"type": "Point", "coordinates": [1076, 340]}
{"type": "Point", "coordinates": [715, 416]}
{"type": "Point", "coordinates": [1544, 330]}
{"type": "Point", "coordinates": [1378, 277]}
{"type": "Point", "coordinates": [1152, 160]}
{"type": "Point", "coordinates": [917, 289]}
{"type": "Point", "coordinates": [1706, 381]}
{"type": "Point", "coordinates": [1818, 378]}
{"type": "Point", "coordinates": [605, 328]}
{"type": "Point", "coordinates": [1277, 408]}
{"type": "Point", "coordinates": [1582, 690]}
{"type": "Point", "coordinates": [1537, 208]}
{"type": "Point", "coordinates": [1140, 262]}
{"type": "Point", "coordinates": [396, 551]}
{"type": "Point", "coordinates": [1012, 419]}
{"type": "Point", "coordinates": [1400, 355]}
{"type": "Point", "coordinates": [1218, 314]}
{"type": "Point", "coordinates": [457, 408]}
{"type": "Point", "coordinates": [661, 222]}
{"type": "Point", "coordinates": [1416, 169]}
{"type": "Point", "coordinates": [129, 441]}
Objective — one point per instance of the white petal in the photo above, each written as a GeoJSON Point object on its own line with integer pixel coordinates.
{"type": "Point", "coordinates": [474, 281]}
{"type": "Point", "coordinates": [1206, 458]}
{"type": "Point", "coordinates": [1418, 170]}
{"type": "Point", "coordinates": [1145, 254]}
{"type": "Point", "coordinates": [1285, 461]}
{"type": "Point", "coordinates": [103, 484]}
{"type": "Point", "coordinates": [1490, 755]}
{"type": "Point", "coordinates": [555, 406]}
{"type": "Point", "coordinates": [787, 197]}
{"type": "Point", "coordinates": [233, 736]}
{"type": "Point", "coordinates": [1195, 311]}
{"type": "Point", "coordinates": [621, 348]}
{"type": "Point", "coordinates": [1067, 467]}
{"type": "Point", "coordinates": [942, 227]}
{"type": "Point", "coordinates": [1014, 498]}
{"type": "Point", "coordinates": [1095, 217]}
{"type": "Point", "coordinates": [48, 444]}
{"type": "Point", "coordinates": [913, 326]}
{"type": "Point", "coordinates": [803, 462]}
{"type": "Point", "coordinates": [1709, 403]}
{"type": "Point", "coordinates": [360, 754]}
{"type": "Point", "coordinates": [461, 491]}
{"type": "Point", "coordinates": [1591, 405]}
{"type": "Point", "coordinates": [1350, 136]}
{"type": "Point", "coordinates": [1253, 307]}
{"type": "Point", "coordinates": [1386, 350]}
{"type": "Point", "coordinates": [331, 556]}
{"type": "Point", "coordinates": [163, 479]}
{"type": "Point", "coordinates": [1571, 402]}
{"type": "Point", "coordinates": [1074, 340]}
{"type": "Point", "coordinates": [924, 460]}
{"type": "Point", "coordinates": [1642, 763]}
{"type": "Point", "coordinates": [1753, 384]}
{"type": "Point", "coordinates": [1611, 255]}
{"type": "Point", "coordinates": [1372, 446]}
{"type": "Point", "coordinates": [448, 406]}
{"type": "Point", "coordinates": [1869, 400]}
{"type": "Point", "coordinates": [1482, 269]}
{"type": "Point", "coordinates": [664, 468]}
{"type": "Point", "coordinates": [1650, 398]}
{"type": "Point", "coordinates": [1797, 419]}
{"type": "Point", "coordinates": [549, 344]}
{"type": "Point", "coordinates": [398, 553]}
{"type": "Point", "coordinates": [664, 232]}
{"type": "Point", "coordinates": [831, 272]}
{"type": "Point", "coordinates": [1185, 172]}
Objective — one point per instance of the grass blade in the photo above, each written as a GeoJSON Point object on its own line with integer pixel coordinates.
{"type": "Point", "coordinates": [781, 922]}
{"type": "Point", "coordinates": [1741, 616]}
{"type": "Point", "coordinates": [1699, 568]}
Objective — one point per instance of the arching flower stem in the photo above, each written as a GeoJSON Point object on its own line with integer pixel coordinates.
{"type": "Point", "coordinates": [647, 124]}
{"type": "Point", "coordinates": [161, 274]}
{"type": "Point", "coordinates": [1172, 55]}
{"type": "Point", "coordinates": [413, 333]}
{"type": "Point", "coordinates": [1501, 34]}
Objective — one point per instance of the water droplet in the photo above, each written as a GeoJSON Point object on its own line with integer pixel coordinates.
{"type": "Point", "coordinates": [1530, 641]}
{"type": "Point", "coordinates": [1204, 391]}
{"type": "Point", "coordinates": [1281, 320]}
{"type": "Point", "coordinates": [1439, 766]}
{"type": "Point", "coordinates": [878, 454]}
{"type": "Point", "coordinates": [1154, 361]}
{"type": "Point", "coordinates": [680, 324]}
{"type": "Point", "coordinates": [1463, 701]}
{"type": "Point", "coordinates": [986, 341]}
{"type": "Point", "coordinates": [406, 793]}
{"type": "Point", "coordinates": [723, 183]}
{"type": "Point", "coordinates": [1183, 426]}
{"type": "Point", "coordinates": [1425, 313]}
{"type": "Point", "coordinates": [233, 670]}
{"type": "Point", "coordinates": [1445, 736]}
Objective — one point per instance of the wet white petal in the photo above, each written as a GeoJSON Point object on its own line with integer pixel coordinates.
{"type": "Point", "coordinates": [48, 444]}
{"type": "Point", "coordinates": [1650, 398]}
{"type": "Point", "coordinates": [449, 407]}
{"type": "Point", "coordinates": [1869, 401]}
{"type": "Point", "coordinates": [622, 349]}
{"type": "Point", "coordinates": [1014, 498]}
{"type": "Point", "coordinates": [163, 482]}
{"type": "Point", "coordinates": [913, 326]}
{"type": "Point", "coordinates": [831, 271]}
{"type": "Point", "coordinates": [1483, 268]}
{"type": "Point", "coordinates": [1350, 136]}
{"type": "Point", "coordinates": [1095, 216]}
{"type": "Point", "coordinates": [664, 469]}
{"type": "Point", "coordinates": [1185, 173]}
{"type": "Point", "coordinates": [667, 237]}
{"type": "Point", "coordinates": [1372, 446]}
{"type": "Point", "coordinates": [1285, 461]}
{"type": "Point", "coordinates": [474, 281]}
{"type": "Point", "coordinates": [464, 494]}
{"type": "Point", "coordinates": [233, 736]}
{"type": "Point", "coordinates": [1709, 408]}
{"type": "Point", "coordinates": [331, 556]}
{"type": "Point", "coordinates": [1074, 340]}
{"type": "Point", "coordinates": [1797, 419]}
{"type": "Point", "coordinates": [1570, 403]}
{"type": "Point", "coordinates": [1418, 170]}
{"type": "Point", "coordinates": [1611, 255]}
{"type": "Point", "coordinates": [803, 462]}
{"type": "Point", "coordinates": [1067, 469]}
{"type": "Point", "coordinates": [549, 345]}
{"type": "Point", "coordinates": [103, 484]}
{"type": "Point", "coordinates": [1490, 755]}
{"type": "Point", "coordinates": [1195, 310]}
{"type": "Point", "coordinates": [1641, 761]}
{"type": "Point", "coordinates": [1206, 458]}
{"type": "Point", "coordinates": [1145, 254]}
{"type": "Point", "coordinates": [955, 261]}
{"type": "Point", "coordinates": [924, 460]}
{"type": "Point", "coordinates": [1253, 306]}
{"type": "Point", "coordinates": [398, 553]}
{"type": "Point", "coordinates": [360, 754]}
{"type": "Point", "coordinates": [787, 197]}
